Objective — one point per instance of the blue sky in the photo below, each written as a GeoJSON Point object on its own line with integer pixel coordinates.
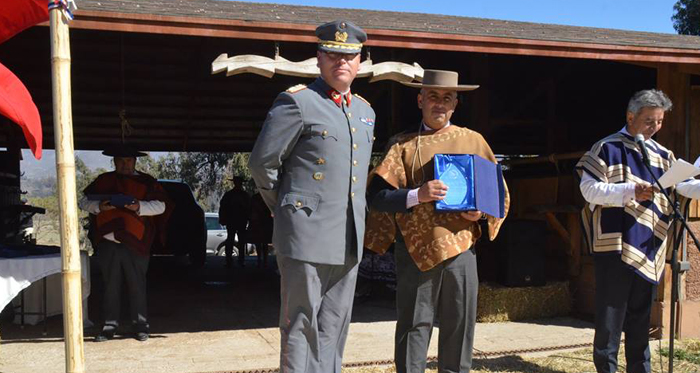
{"type": "Point", "coordinates": [638, 15]}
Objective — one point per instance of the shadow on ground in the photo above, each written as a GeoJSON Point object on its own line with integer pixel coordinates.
{"type": "Point", "coordinates": [511, 363]}
{"type": "Point", "coordinates": [212, 298]}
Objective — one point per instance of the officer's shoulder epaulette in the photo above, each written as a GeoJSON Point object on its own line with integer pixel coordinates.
{"type": "Point", "coordinates": [362, 98]}
{"type": "Point", "coordinates": [296, 88]}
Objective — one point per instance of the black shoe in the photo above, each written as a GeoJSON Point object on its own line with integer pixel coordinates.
{"type": "Point", "coordinates": [141, 336]}
{"type": "Point", "coordinates": [104, 336]}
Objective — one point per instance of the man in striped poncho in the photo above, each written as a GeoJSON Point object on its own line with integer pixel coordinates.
{"type": "Point", "coordinates": [627, 224]}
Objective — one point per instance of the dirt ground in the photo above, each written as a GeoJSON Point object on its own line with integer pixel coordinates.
{"type": "Point", "coordinates": [225, 320]}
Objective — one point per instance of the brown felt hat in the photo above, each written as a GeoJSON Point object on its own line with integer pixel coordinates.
{"type": "Point", "coordinates": [441, 79]}
{"type": "Point", "coordinates": [123, 151]}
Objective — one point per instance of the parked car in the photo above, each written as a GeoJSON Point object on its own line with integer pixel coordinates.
{"type": "Point", "coordinates": [186, 230]}
{"type": "Point", "coordinates": [216, 237]}
{"type": "Point", "coordinates": [216, 234]}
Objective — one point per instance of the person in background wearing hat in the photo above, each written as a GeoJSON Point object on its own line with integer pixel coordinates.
{"type": "Point", "coordinates": [628, 223]}
{"type": "Point", "coordinates": [234, 213]}
{"type": "Point", "coordinates": [128, 210]}
{"type": "Point", "coordinates": [436, 270]}
{"type": "Point", "coordinates": [310, 164]}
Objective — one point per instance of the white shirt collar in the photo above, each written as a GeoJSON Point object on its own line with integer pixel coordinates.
{"type": "Point", "coordinates": [426, 128]}
{"type": "Point", "coordinates": [625, 132]}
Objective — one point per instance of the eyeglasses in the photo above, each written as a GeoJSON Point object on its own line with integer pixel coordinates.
{"type": "Point", "coordinates": [337, 56]}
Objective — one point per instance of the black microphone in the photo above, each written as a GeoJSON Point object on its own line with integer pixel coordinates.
{"type": "Point", "coordinates": [639, 139]}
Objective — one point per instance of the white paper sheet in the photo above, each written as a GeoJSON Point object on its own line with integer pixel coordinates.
{"type": "Point", "coordinates": [679, 171]}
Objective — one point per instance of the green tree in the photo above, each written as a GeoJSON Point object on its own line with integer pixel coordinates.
{"type": "Point", "coordinates": [686, 17]}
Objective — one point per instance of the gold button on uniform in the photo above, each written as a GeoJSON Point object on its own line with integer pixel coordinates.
{"type": "Point", "coordinates": [349, 115]}
{"type": "Point", "coordinates": [320, 161]}
{"type": "Point", "coordinates": [354, 179]}
{"type": "Point", "coordinates": [354, 163]}
{"type": "Point", "coordinates": [373, 138]}
{"type": "Point", "coordinates": [354, 146]}
{"type": "Point", "coordinates": [318, 176]}
{"type": "Point", "coordinates": [324, 133]}
{"type": "Point", "coordinates": [298, 203]}
{"type": "Point", "coordinates": [353, 129]}
{"type": "Point", "coordinates": [352, 194]}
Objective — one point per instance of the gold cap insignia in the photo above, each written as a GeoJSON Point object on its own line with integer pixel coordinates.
{"type": "Point", "coordinates": [341, 36]}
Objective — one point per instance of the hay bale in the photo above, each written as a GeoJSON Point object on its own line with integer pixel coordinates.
{"type": "Point", "coordinates": [498, 303]}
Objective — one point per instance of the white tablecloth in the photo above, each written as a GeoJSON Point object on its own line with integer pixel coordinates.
{"type": "Point", "coordinates": [17, 274]}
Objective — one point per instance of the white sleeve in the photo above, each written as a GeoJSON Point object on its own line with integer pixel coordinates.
{"type": "Point", "coordinates": [690, 189]}
{"type": "Point", "coordinates": [412, 198]}
{"type": "Point", "coordinates": [92, 207]}
{"type": "Point", "coordinates": [606, 194]}
{"type": "Point", "coordinates": [151, 208]}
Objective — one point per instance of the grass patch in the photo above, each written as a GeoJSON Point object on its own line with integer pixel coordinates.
{"type": "Point", "coordinates": [689, 351]}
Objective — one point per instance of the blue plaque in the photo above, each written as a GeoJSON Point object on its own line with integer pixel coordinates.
{"type": "Point", "coordinates": [474, 183]}
{"type": "Point", "coordinates": [116, 200]}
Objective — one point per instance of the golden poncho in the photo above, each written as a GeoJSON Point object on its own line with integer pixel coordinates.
{"type": "Point", "coordinates": [431, 237]}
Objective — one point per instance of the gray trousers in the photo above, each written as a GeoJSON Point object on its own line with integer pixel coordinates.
{"type": "Point", "coordinates": [447, 292]}
{"type": "Point", "coordinates": [315, 311]}
{"type": "Point", "coordinates": [117, 262]}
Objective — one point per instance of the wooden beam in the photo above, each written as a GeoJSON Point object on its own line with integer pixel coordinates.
{"type": "Point", "coordinates": [648, 65]}
{"type": "Point", "coordinates": [693, 69]}
{"type": "Point", "coordinates": [149, 23]}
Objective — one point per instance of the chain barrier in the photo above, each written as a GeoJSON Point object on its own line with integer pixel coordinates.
{"type": "Point", "coordinates": [477, 354]}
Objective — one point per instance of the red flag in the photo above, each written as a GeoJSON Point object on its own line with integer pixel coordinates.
{"type": "Point", "coordinates": [17, 105]}
{"type": "Point", "coordinates": [17, 15]}
{"type": "Point", "coordinates": [15, 101]}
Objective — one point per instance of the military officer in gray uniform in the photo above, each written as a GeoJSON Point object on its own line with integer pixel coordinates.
{"type": "Point", "coordinates": [310, 163]}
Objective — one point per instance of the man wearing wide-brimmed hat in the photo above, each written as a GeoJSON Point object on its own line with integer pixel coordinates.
{"type": "Point", "coordinates": [435, 261]}
{"type": "Point", "coordinates": [234, 213]}
{"type": "Point", "coordinates": [310, 164]}
{"type": "Point", "coordinates": [127, 212]}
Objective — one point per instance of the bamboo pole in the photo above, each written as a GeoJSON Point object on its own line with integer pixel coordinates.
{"type": "Point", "coordinates": [67, 198]}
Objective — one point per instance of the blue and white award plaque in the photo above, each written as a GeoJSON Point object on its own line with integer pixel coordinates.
{"type": "Point", "coordinates": [474, 183]}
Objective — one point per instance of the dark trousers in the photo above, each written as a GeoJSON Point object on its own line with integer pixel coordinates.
{"type": "Point", "coordinates": [231, 232]}
{"type": "Point", "coordinates": [262, 249]}
{"type": "Point", "coordinates": [448, 291]}
{"type": "Point", "coordinates": [623, 303]}
{"type": "Point", "coordinates": [315, 312]}
{"type": "Point", "coordinates": [119, 263]}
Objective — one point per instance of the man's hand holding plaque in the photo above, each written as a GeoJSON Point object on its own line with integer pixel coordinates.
{"type": "Point", "coordinates": [433, 190]}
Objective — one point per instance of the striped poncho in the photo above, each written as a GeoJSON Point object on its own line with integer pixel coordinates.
{"type": "Point", "coordinates": [639, 231]}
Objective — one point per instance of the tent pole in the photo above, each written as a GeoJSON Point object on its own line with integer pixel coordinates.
{"type": "Point", "coordinates": [67, 197]}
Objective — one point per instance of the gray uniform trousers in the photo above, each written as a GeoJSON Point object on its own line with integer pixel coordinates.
{"type": "Point", "coordinates": [118, 262]}
{"type": "Point", "coordinates": [315, 314]}
{"type": "Point", "coordinates": [315, 310]}
{"type": "Point", "coordinates": [450, 290]}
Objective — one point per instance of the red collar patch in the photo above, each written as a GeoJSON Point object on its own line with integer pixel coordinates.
{"type": "Point", "coordinates": [338, 98]}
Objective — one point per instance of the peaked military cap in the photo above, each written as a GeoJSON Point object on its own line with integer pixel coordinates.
{"type": "Point", "coordinates": [123, 151]}
{"type": "Point", "coordinates": [340, 37]}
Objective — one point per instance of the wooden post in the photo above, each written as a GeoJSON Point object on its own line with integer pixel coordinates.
{"type": "Point", "coordinates": [67, 198]}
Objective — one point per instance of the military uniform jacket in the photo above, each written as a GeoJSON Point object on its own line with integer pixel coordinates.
{"type": "Point", "coordinates": [310, 164]}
